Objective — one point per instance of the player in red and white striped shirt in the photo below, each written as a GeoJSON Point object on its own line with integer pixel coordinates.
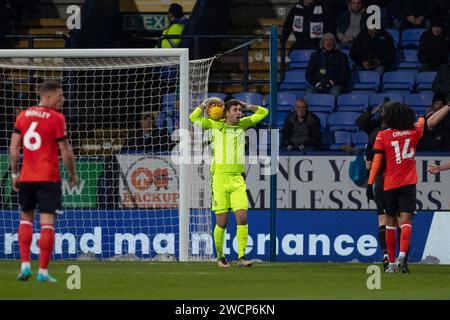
{"type": "Point", "coordinates": [397, 145]}
{"type": "Point", "coordinates": [40, 130]}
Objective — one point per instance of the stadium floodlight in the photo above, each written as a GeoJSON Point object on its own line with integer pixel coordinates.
{"type": "Point", "coordinates": [130, 187]}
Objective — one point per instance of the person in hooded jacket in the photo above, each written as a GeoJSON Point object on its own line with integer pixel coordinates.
{"type": "Point", "coordinates": [328, 70]}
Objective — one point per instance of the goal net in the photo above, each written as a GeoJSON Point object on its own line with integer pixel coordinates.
{"type": "Point", "coordinates": [139, 195]}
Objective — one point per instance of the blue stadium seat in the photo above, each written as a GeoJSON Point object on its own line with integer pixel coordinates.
{"type": "Point", "coordinates": [249, 97]}
{"type": "Point", "coordinates": [320, 102]}
{"type": "Point", "coordinates": [168, 103]}
{"type": "Point", "coordinates": [360, 139]}
{"type": "Point", "coordinates": [217, 94]}
{"type": "Point", "coordinates": [323, 120]}
{"type": "Point", "coordinates": [344, 121]}
{"type": "Point", "coordinates": [325, 139]}
{"type": "Point", "coordinates": [398, 80]}
{"type": "Point", "coordinates": [281, 117]}
{"type": "Point", "coordinates": [285, 101]}
{"type": "Point", "coordinates": [425, 80]}
{"type": "Point", "coordinates": [378, 98]}
{"type": "Point", "coordinates": [408, 59]}
{"type": "Point", "coordinates": [352, 102]}
{"type": "Point", "coordinates": [297, 94]}
{"type": "Point", "coordinates": [294, 80]}
{"type": "Point", "coordinates": [341, 138]}
{"type": "Point", "coordinates": [419, 101]}
{"type": "Point", "coordinates": [395, 35]}
{"type": "Point", "coordinates": [300, 59]}
{"type": "Point", "coordinates": [411, 37]}
{"type": "Point", "coordinates": [169, 98]}
{"type": "Point", "coordinates": [365, 80]}
{"type": "Point", "coordinates": [351, 63]}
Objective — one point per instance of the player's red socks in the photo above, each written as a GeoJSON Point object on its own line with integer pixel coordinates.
{"type": "Point", "coordinates": [390, 243]}
{"type": "Point", "coordinates": [405, 236]}
{"type": "Point", "coordinates": [25, 238]}
{"type": "Point", "coordinates": [46, 245]}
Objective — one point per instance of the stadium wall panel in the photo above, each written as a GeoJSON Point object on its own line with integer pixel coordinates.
{"type": "Point", "coordinates": [303, 236]}
{"type": "Point", "coordinates": [308, 182]}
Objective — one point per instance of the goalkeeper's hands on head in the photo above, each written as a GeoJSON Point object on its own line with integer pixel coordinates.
{"type": "Point", "coordinates": [207, 103]}
{"type": "Point", "coordinates": [248, 106]}
{"type": "Point", "coordinates": [245, 106]}
{"type": "Point", "coordinates": [204, 104]}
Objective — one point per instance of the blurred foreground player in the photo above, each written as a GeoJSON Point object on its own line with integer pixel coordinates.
{"type": "Point", "coordinates": [378, 192]}
{"type": "Point", "coordinates": [40, 130]}
{"type": "Point", "coordinates": [397, 145]}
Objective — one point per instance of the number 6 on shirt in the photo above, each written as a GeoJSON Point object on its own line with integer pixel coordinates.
{"type": "Point", "coordinates": [31, 135]}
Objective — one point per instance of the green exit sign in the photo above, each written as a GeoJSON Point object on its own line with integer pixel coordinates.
{"type": "Point", "coordinates": [152, 22]}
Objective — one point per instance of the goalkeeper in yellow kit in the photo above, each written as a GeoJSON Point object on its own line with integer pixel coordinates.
{"type": "Point", "coordinates": [227, 168]}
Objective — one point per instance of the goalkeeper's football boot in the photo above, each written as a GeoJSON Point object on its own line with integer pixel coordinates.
{"type": "Point", "coordinates": [243, 262]}
{"type": "Point", "coordinates": [392, 268]}
{"type": "Point", "coordinates": [45, 278]}
{"type": "Point", "coordinates": [403, 265]}
{"type": "Point", "coordinates": [24, 274]}
{"type": "Point", "coordinates": [385, 262]}
{"type": "Point", "coordinates": [223, 263]}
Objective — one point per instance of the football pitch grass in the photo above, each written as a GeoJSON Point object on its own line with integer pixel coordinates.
{"type": "Point", "coordinates": [205, 281]}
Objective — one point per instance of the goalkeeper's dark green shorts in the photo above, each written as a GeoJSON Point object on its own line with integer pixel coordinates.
{"type": "Point", "coordinates": [228, 191]}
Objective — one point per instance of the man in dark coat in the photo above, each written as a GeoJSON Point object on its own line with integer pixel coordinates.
{"type": "Point", "coordinates": [373, 49]}
{"type": "Point", "coordinates": [301, 130]}
{"type": "Point", "coordinates": [328, 70]}
{"type": "Point", "coordinates": [433, 48]}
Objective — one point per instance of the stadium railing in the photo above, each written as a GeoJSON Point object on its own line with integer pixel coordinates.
{"type": "Point", "coordinates": [242, 42]}
{"type": "Point", "coordinates": [32, 37]}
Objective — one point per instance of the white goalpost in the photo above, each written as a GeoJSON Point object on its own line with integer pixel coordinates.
{"type": "Point", "coordinates": [128, 119]}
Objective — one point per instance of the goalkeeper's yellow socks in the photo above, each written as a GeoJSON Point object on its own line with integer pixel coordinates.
{"type": "Point", "coordinates": [219, 237]}
{"type": "Point", "coordinates": [242, 238]}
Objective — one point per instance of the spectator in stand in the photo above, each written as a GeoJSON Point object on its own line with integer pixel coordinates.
{"type": "Point", "coordinates": [439, 122]}
{"type": "Point", "coordinates": [370, 121]}
{"type": "Point", "coordinates": [148, 138]}
{"type": "Point", "coordinates": [439, 101]}
{"type": "Point", "coordinates": [328, 70]}
{"type": "Point", "coordinates": [301, 130]}
{"type": "Point", "coordinates": [442, 10]}
{"type": "Point", "coordinates": [433, 48]}
{"type": "Point", "coordinates": [177, 21]}
{"type": "Point", "coordinates": [411, 13]}
{"type": "Point", "coordinates": [350, 23]}
{"type": "Point", "coordinates": [373, 49]}
{"type": "Point", "coordinates": [309, 23]}
{"type": "Point", "coordinates": [441, 83]}
{"type": "Point", "coordinates": [332, 9]}
{"type": "Point", "coordinates": [432, 138]}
